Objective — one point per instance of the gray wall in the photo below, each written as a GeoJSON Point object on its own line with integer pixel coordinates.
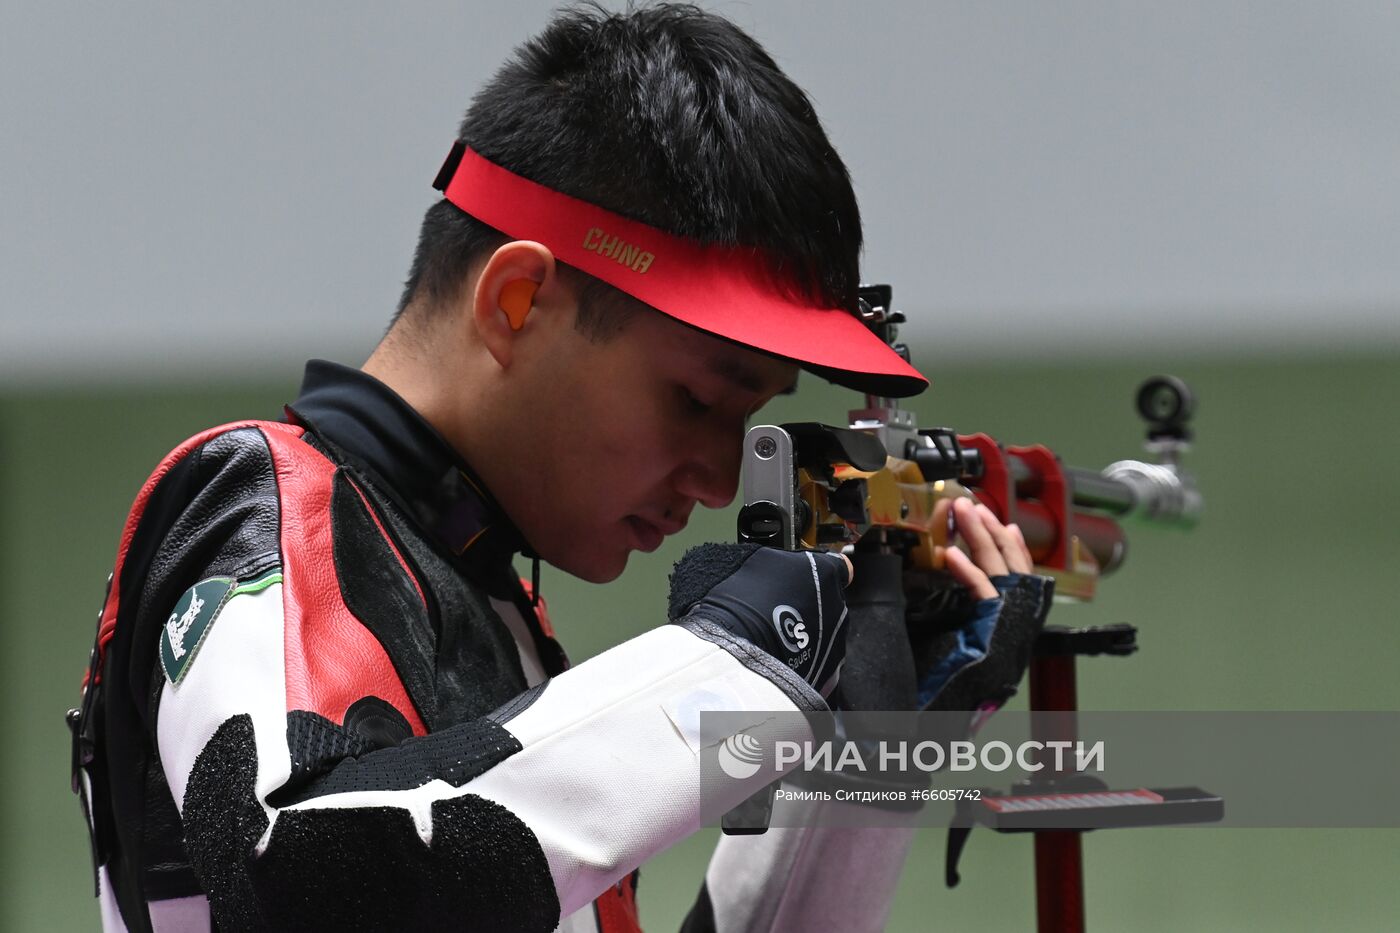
{"type": "Point", "coordinates": [1207, 175]}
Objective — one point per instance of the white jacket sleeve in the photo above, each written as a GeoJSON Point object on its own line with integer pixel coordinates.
{"type": "Point", "coordinates": [507, 822]}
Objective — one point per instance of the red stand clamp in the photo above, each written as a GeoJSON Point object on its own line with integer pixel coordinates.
{"type": "Point", "coordinates": [1052, 491]}
{"type": "Point", "coordinates": [996, 487]}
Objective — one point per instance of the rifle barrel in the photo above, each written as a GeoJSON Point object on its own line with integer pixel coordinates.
{"type": "Point", "coordinates": [1158, 492]}
{"type": "Point", "coordinates": [1091, 489]}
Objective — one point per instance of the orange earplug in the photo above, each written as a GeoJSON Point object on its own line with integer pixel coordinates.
{"type": "Point", "coordinates": [517, 298]}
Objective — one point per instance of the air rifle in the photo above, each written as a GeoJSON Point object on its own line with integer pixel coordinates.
{"type": "Point", "coordinates": [813, 485]}
{"type": "Point", "coordinates": [872, 486]}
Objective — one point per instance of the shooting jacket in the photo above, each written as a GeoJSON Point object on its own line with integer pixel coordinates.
{"type": "Point", "coordinates": [321, 698]}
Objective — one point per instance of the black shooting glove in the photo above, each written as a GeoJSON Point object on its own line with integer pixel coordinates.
{"type": "Point", "coordinates": [787, 603]}
{"type": "Point", "coordinates": [971, 655]}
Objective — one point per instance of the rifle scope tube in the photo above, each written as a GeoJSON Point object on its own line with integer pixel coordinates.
{"type": "Point", "coordinates": [1091, 490]}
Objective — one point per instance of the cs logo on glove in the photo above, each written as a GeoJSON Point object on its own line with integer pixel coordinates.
{"type": "Point", "coordinates": [791, 629]}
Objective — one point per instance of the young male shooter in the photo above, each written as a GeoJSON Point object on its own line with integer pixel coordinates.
{"type": "Point", "coordinates": [322, 699]}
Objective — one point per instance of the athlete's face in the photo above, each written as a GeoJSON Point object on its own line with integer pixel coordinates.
{"type": "Point", "coordinates": [634, 431]}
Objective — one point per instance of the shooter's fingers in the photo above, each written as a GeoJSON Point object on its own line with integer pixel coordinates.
{"type": "Point", "coordinates": [1013, 549]}
{"type": "Point", "coordinates": [1024, 563]}
{"type": "Point", "coordinates": [984, 550]}
{"type": "Point", "coordinates": [968, 574]}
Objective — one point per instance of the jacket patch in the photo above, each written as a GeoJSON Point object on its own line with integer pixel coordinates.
{"type": "Point", "coordinates": [189, 622]}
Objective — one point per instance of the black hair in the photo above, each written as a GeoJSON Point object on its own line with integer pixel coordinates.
{"type": "Point", "coordinates": [671, 116]}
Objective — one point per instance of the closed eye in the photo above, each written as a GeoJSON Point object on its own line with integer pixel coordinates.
{"type": "Point", "coordinates": [693, 404]}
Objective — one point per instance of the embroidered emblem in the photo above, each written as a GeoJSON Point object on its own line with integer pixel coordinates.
{"type": "Point", "coordinates": [177, 630]}
{"type": "Point", "coordinates": [189, 622]}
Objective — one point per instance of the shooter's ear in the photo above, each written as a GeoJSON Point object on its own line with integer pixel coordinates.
{"type": "Point", "coordinates": [505, 294]}
{"type": "Point", "coordinates": [516, 299]}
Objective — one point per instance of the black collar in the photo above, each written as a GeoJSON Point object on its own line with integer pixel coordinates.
{"type": "Point", "coordinates": [379, 432]}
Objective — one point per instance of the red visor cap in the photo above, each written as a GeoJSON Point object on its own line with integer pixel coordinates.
{"type": "Point", "coordinates": [719, 290]}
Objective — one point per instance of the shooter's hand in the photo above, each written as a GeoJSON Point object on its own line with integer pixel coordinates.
{"type": "Point", "coordinates": [787, 603]}
{"type": "Point", "coordinates": [974, 660]}
{"type": "Point", "coordinates": [992, 549]}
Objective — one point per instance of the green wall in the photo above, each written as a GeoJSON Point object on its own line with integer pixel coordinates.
{"type": "Point", "coordinates": [1279, 600]}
